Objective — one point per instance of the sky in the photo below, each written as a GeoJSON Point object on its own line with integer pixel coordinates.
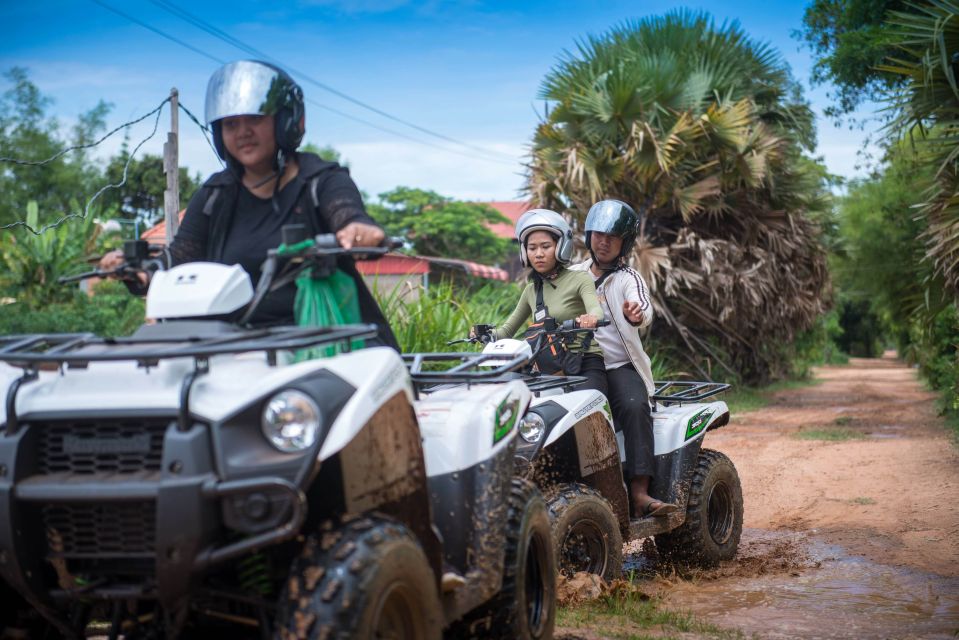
{"type": "Point", "coordinates": [465, 74]}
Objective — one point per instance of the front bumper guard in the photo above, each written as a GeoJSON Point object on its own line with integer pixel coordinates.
{"type": "Point", "coordinates": [183, 546]}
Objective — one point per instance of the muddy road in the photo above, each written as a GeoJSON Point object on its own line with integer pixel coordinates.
{"type": "Point", "coordinates": [851, 492]}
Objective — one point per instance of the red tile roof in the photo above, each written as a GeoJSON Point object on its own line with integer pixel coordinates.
{"type": "Point", "coordinates": [512, 209]}
{"type": "Point", "coordinates": [157, 234]}
{"type": "Point", "coordinates": [395, 264]}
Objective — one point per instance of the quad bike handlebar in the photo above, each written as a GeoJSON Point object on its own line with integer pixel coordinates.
{"type": "Point", "coordinates": [137, 260]}
{"type": "Point", "coordinates": [483, 333]}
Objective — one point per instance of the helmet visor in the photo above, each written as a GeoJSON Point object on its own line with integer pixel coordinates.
{"type": "Point", "coordinates": [245, 88]}
{"type": "Point", "coordinates": [610, 217]}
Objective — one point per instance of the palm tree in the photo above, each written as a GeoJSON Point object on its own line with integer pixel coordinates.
{"type": "Point", "coordinates": [927, 113]}
{"type": "Point", "coordinates": [702, 129]}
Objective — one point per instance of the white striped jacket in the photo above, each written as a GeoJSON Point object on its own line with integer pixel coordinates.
{"type": "Point", "coordinates": [626, 284]}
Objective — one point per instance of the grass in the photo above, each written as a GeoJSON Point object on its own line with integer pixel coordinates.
{"type": "Point", "coordinates": [842, 421]}
{"type": "Point", "coordinates": [627, 616]}
{"type": "Point", "coordinates": [831, 434]}
{"type": "Point", "coordinates": [862, 500]}
{"type": "Point", "coordinates": [740, 399]}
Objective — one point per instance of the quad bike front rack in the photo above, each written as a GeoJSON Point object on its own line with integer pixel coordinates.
{"type": "Point", "coordinates": [163, 341]}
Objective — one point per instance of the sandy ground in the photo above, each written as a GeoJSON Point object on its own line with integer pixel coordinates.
{"type": "Point", "coordinates": [889, 496]}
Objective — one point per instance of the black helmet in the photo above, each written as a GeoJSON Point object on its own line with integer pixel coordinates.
{"type": "Point", "coordinates": [616, 218]}
{"type": "Point", "coordinates": [251, 87]}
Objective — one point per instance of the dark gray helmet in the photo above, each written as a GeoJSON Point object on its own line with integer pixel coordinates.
{"type": "Point", "coordinates": [613, 217]}
{"type": "Point", "coordinates": [250, 87]}
{"type": "Point", "coordinates": [552, 223]}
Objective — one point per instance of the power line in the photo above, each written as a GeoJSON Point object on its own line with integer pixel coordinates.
{"type": "Point", "coordinates": [500, 158]}
{"type": "Point", "coordinates": [183, 14]}
{"type": "Point", "coordinates": [86, 209]}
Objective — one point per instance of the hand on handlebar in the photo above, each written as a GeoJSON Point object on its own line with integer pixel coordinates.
{"type": "Point", "coordinates": [114, 264]}
{"type": "Point", "coordinates": [359, 234]}
{"type": "Point", "coordinates": [577, 323]}
{"type": "Point", "coordinates": [586, 321]}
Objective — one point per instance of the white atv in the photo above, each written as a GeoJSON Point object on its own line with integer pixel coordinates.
{"type": "Point", "coordinates": [571, 450]}
{"type": "Point", "coordinates": [196, 478]}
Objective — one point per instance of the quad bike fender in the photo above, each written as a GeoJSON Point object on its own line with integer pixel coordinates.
{"type": "Point", "coordinates": [580, 446]}
{"type": "Point", "coordinates": [465, 426]}
{"type": "Point", "coordinates": [378, 375]}
{"type": "Point", "coordinates": [676, 426]}
{"type": "Point", "coordinates": [578, 405]}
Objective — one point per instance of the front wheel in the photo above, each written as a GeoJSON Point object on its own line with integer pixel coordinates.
{"type": "Point", "coordinates": [586, 532]}
{"type": "Point", "coordinates": [525, 607]}
{"type": "Point", "coordinates": [365, 580]}
{"type": "Point", "coordinates": [714, 515]}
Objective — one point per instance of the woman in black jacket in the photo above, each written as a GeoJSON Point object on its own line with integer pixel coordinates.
{"type": "Point", "coordinates": [256, 113]}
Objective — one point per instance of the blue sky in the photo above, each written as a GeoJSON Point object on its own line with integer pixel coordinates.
{"type": "Point", "coordinates": [469, 70]}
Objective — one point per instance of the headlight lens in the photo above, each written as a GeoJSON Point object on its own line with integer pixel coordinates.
{"type": "Point", "coordinates": [291, 421]}
{"type": "Point", "coordinates": [532, 427]}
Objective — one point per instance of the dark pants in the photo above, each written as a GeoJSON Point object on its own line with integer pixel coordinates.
{"type": "Point", "coordinates": [629, 401]}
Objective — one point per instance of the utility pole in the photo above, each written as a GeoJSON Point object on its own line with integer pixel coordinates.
{"type": "Point", "coordinates": [171, 166]}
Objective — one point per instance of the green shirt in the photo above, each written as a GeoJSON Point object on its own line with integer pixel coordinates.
{"type": "Point", "coordinates": [568, 296]}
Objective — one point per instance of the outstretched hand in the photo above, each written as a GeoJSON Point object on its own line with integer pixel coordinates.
{"type": "Point", "coordinates": [358, 234]}
{"type": "Point", "coordinates": [632, 312]}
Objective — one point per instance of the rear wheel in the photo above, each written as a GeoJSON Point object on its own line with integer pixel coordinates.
{"type": "Point", "coordinates": [366, 580]}
{"type": "Point", "coordinates": [714, 515]}
{"type": "Point", "coordinates": [586, 532]}
{"type": "Point", "coordinates": [525, 607]}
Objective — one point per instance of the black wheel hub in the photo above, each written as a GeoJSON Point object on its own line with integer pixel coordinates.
{"type": "Point", "coordinates": [719, 513]}
{"type": "Point", "coordinates": [585, 548]}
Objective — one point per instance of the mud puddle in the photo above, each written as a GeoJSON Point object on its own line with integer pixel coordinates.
{"type": "Point", "coordinates": [793, 585]}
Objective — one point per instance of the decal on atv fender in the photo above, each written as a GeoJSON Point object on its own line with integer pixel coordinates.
{"type": "Point", "coordinates": [506, 414]}
{"type": "Point", "coordinates": [698, 422]}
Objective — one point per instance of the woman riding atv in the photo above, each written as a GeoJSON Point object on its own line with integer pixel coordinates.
{"type": "Point", "coordinates": [556, 294]}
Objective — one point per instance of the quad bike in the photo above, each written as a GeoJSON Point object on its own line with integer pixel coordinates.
{"type": "Point", "coordinates": [571, 450]}
{"type": "Point", "coordinates": [201, 477]}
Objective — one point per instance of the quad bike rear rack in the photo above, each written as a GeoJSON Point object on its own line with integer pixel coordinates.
{"type": "Point", "coordinates": [164, 341]}
{"type": "Point", "coordinates": [679, 391]}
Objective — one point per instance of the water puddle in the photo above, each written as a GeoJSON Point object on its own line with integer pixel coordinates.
{"type": "Point", "coordinates": [793, 586]}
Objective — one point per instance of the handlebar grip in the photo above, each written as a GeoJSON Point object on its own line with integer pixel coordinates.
{"type": "Point", "coordinates": [82, 276]}
{"type": "Point", "coordinates": [572, 324]}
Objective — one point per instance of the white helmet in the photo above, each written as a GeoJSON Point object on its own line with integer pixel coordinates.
{"type": "Point", "coordinates": [552, 223]}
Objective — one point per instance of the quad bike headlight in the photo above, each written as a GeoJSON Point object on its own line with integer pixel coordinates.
{"type": "Point", "coordinates": [291, 421]}
{"type": "Point", "coordinates": [532, 427]}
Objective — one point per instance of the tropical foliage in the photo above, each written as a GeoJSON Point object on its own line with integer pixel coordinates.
{"type": "Point", "coordinates": [851, 39]}
{"type": "Point", "coordinates": [927, 112]}
{"type": "Point", "coordinates": [703, 130]}
{"type": "Point", "coordinates": [439, 226]}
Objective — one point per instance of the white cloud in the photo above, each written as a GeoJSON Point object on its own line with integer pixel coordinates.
{"type": "Point", "coordinates": [380, 166]}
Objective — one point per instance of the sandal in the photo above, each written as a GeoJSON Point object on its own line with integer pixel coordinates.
{"type": "Point", "coordinates": [657, 508]}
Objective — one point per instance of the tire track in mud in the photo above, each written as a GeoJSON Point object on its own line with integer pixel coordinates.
{"type": "Point", "coordinates": [854, 537]}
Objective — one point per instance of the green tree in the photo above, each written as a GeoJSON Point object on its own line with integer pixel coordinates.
{"type": "Point", "coordinates": [141, 195]}
{"type": "Point", "coordinates": [327, 152]}
{"type": "Point", "coordinates": [440, 226]}
{"type": "Point", "coordinates": [28, 133]}
{"type": "Point", "coordinates": [851, 39]}
{"type": "Point", "coordinates": [702, 129]}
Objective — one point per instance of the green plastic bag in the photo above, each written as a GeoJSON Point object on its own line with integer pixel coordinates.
{"type": "Point", "coordinates": [326, 302]}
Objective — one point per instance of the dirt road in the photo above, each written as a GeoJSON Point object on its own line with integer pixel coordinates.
{"type": "Point", "coordinates": [851, 492]}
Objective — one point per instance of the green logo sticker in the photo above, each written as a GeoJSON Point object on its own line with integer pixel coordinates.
{"type": "Point", "coordinates": [698, 422]}
{"type": "Point", "coordinates": [506, 414]}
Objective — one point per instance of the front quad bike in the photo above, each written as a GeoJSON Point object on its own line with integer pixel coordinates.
{"type": "Point", "coordinates": [197, 478]}
{"type": "Point", "coordinates": [571, 450]}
